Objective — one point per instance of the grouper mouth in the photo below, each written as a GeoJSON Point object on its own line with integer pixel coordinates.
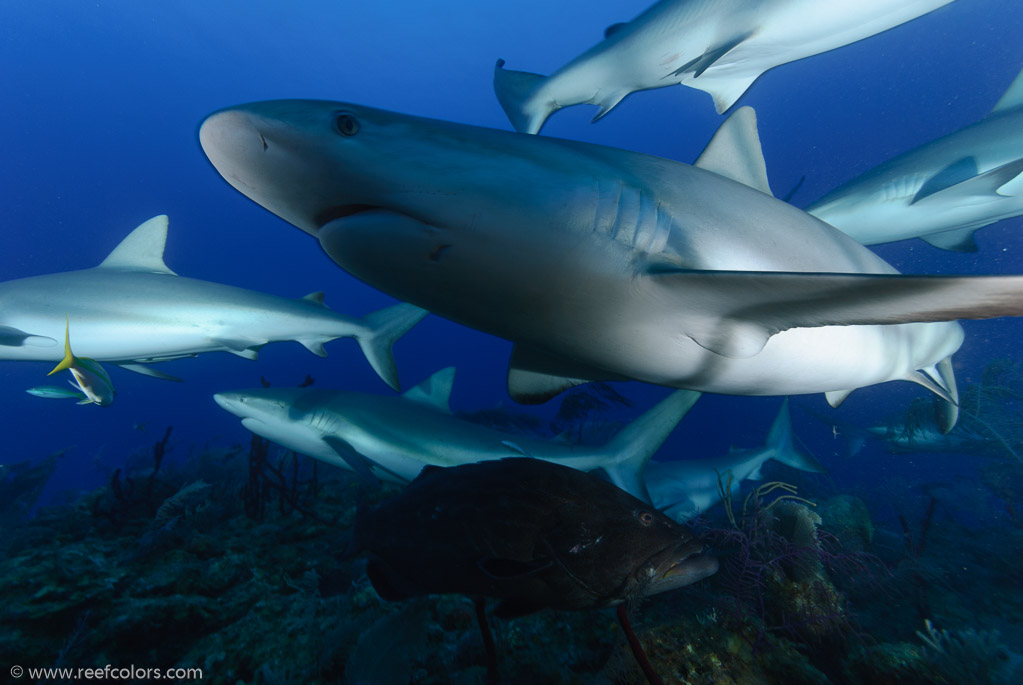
{"type": "Point", "coordinates": [683, 564]}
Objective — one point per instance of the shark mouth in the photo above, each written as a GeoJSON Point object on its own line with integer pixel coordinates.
{"type": "Point", "coordinates": [341, 212]}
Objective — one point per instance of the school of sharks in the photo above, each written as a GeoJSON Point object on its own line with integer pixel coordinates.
{"type": "Point", "coordinates": [597, 264]}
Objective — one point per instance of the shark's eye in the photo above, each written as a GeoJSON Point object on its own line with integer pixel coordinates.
{"type": "Point", "coordinates": [347, 124]}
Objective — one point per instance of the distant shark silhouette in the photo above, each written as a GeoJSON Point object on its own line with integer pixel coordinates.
{"type": "Point", "coordinates": [599, 263]}
{"type": "Point", "coordinates": [719, 47]}
{"type": "Point", "coordinates": [942, 191]}
{"type": "Point", "coordinates": [684, 488]}
{"type": "Point", "coordinates": [132, 310]}
{"type": "Point", "coordinates": [395, 437]}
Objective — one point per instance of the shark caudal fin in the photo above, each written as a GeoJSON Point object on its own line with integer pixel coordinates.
{"type": "Point", "coordinates": [383, 328]}
{"type": "Point", "coordinates": [630, 450]}
{"type": "Point", "coordinates": [782, 448]}
{"type": "Point", "coordinates": [69, 358]}
{"type": "Point", "coordinates": [515, 91]}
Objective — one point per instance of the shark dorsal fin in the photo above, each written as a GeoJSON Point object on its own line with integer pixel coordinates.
{"type": "Point", "coordinates": [142, 249]}
{"type": "Point", "coordinates": [734, 152]}
{"type": "Point", "coordinates": [435, 391]}
{"type": "Point", "coordinates": [1013, 97]}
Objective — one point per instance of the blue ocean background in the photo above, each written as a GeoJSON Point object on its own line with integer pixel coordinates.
{"type": "Point", "coordinates": [101, 103]}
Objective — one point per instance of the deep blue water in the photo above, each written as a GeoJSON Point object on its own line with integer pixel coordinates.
{"type": "Point", "coordinates": [102, 100]}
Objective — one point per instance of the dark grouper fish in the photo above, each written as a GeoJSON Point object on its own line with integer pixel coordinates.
{"type": "Point", "coordinates": [528, 532]}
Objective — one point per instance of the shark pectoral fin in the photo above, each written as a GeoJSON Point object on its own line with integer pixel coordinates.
{"type": "Point", "coordinates": [734, 152]}
{"type": "Point", "coordinates": [247, 349]}
{"type": "Point", "coordinates": [514, 447]}
{"type": "Point", "coordinates": [959, 240]}
{"type": "Point", "coordinates": [836, 397]}
{"type": "Point", "coordinates": [515, 91]}
{"type": "Point", "coordinates": [435, 391]}
{"type": "Point", "coordinates": [766, 302]}
{"type": "Point", "coordinates": [359, 463]}
{"type": "Point", "coordinates": [955, 173]}
{"type": "Point", "coordinates": [383, 328]}
{"type": "Point", "coordinates": [700, 64]}
{"type": "Point", "coordinates": [142, 249]}
{"type": "Point", "coordinates": [535, 375]}
{"type": "Point", "coordinates": [1013, 96]}
{"type": "Point", "coordinates": [147, 371]}
{"type": "Point", "coordinates": [994, 184]}
{"type": "Point", "coordinates": [15, 337]}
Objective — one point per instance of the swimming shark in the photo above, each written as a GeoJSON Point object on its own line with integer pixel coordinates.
{"type": "Point", "coordinates": [600, 263]}
{"type": "Point", "coordinates": [943, 190]}
{"type": "Point", "coordinates": [718, 46]}
{"type": "Point", "coordinates": [132, 310]}
{"type": "Point", "coordinates": [686, 487]}
{"type": "Point", "coordinates": [396, 436]}
{"type": "Point", "coordinates": [88, 376]}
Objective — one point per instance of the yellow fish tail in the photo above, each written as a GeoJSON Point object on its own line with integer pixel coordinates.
{"type": "Point", "coordinates": [69, 358]}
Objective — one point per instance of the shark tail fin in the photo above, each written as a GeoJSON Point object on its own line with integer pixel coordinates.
{"type": "Point", "coordinates": [780, 442]}
{"type": "Point", "coordinates": [69, 358]}
{"type": "Point", "coordinates": [516, 91]}
{"type": "Point", "coordinates": [635, 444]}
{"type": "Point", "coordinates": [384, 327]}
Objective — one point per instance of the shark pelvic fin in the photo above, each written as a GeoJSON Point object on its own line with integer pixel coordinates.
{"type": "Point", "coordinates": [1013, 97]}
{"type": "Point", "coordinates": [315, 298]}
{"type": "Point", "coordinates": [435, 391]}
{"type": "Point", "coordinates": [959, 240]}
{"type": "Point", "coordinates": [515, 91]}
{"type": "Point", "coordinates": [614, 28]}
{"type": "Point", "coordinates": [246, 349]}
{"type": "Point", "coordinates": [836, 397]}
{"type": "Point", "coordinates": [607, 103]}
{"type": "Point", "coordinates": [734, 152]}
{"type": "Point", "coordinates": [147, 371]}
{"type": "Point", "coordinates": [142, 249]}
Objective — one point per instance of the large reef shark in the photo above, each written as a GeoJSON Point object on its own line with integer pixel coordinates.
{"type": "Point", "coordinates": [684, 488]}
{"type": "Point", "coordinates": [942, 191]}
{"type": "Point", "coordinates": [132, 310]}
{"type": "Point", "coordinates": [396, 436]}
{"type": "Point", "coordinates": [718, 46]}
{"type": "Point", "coordinates": [599, 263]}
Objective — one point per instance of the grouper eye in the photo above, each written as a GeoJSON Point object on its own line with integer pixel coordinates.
{"type": "Point", "coordinates": [645, 517]}
{"type": "Point", "coordinates": [346, 124]}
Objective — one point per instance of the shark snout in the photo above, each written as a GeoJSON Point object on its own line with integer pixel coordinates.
{"type": "Point", "coordinates": [233, 142]}
{"type": "Point", "coordinates": [233, 402]}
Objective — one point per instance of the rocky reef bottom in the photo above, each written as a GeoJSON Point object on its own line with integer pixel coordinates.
{"type": "Point", "coordinates": [237, 563]}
